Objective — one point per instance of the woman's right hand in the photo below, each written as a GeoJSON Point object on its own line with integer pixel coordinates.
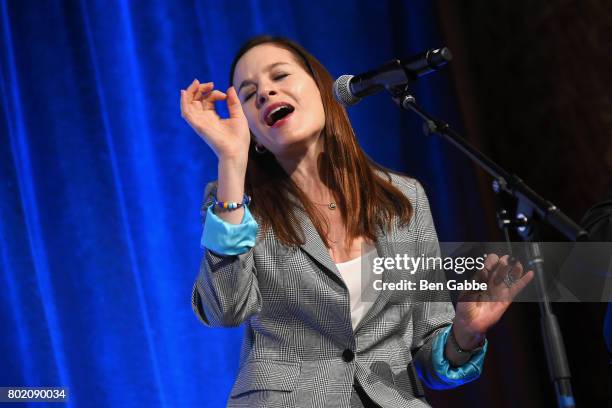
{"type": "Point", "coordinates": [229, 138]}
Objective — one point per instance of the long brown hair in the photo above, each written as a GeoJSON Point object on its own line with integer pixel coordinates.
{"type": "Point", "coordinates": [350, 175]}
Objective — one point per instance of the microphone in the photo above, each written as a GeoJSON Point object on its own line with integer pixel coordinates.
{"type": "Point", "coordinates": [350, 89]}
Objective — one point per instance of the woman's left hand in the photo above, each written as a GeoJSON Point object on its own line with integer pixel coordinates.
{"type": "Point", "coordinates": [477, 311]}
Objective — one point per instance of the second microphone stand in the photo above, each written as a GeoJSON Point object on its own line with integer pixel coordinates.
{"type": "Point", "coordinates": [534, 208]}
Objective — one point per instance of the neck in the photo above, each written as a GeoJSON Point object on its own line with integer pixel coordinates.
{"type": "Point", "coordinates": [303, 168]}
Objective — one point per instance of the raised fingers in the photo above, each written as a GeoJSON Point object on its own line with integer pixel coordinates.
{"type": "Point", "coordinates": [520, 284]}
{"type": "Point", "coordinates": [187, 97]}
{"type": "Point", "coordinates": [184, 104]}
{"type": "Point", "coordinates": [203, 89]}
{"type": "Point", "coordinates": [212, 96]}
{"type": "Point", "coordinates": [192, 88]}
{"type": "Point", "coordinates": [516, 272]}
{"type": "Point", "coordinates": [490, 263]}
{"type": "Point", "coordinates": [503, 267]}
{"type": "Point", "coordinates": [233, 103]}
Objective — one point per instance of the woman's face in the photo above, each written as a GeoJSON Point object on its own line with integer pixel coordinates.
{"type": "Point", "coordinates": [280, 99]}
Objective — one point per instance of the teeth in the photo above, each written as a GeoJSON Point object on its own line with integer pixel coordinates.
{"type": "Point", "coordinates": [276, 110]}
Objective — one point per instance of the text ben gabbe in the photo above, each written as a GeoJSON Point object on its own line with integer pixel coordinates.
{"type": "Point", "coordinates": [412, 264]}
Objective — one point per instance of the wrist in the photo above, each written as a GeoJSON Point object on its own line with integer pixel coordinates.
{"type": "Point", "coordinates": [237, 162]}
{"type": "Point", "coordinates": [231, 176]}
{"type": "Point", "coordinates": [467, 339]}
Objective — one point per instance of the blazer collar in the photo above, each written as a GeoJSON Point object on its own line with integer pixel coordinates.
{"type": "Point", "coordinates": [314, 246]}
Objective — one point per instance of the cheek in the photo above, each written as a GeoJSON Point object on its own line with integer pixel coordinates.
{"type": "Point", "coordinates": [317, 104]}
{"type": "Point", "coordinates": [318, 112]}
{"type": "Point", "coordinates": [310, 94]}
{"type": "Point", "coordinates": [321, 110]}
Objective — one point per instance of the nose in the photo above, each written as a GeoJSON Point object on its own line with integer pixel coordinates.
{"type": "Point", "coordinates": [264, 95]}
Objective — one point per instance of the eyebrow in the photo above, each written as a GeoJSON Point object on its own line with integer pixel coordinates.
{"type": "Point", "coordinates": [267, 69]}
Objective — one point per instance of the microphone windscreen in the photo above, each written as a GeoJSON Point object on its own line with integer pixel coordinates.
{"type": "Point", "coordinates": [342, 91]}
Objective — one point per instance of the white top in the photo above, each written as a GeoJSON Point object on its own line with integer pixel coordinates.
{"type": "Point", "coordinates": [351, 272]}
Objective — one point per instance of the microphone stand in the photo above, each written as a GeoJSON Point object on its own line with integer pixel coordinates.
{"type": "Point", "coordinates": [533, 209]}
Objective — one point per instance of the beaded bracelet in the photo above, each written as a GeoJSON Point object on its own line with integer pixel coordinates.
{"type": "Point", "coordinates": [231, 205]}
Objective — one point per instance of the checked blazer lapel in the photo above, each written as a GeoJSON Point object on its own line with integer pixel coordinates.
{"type": "Point", "coordinates": [314, 246]}
{"type": "Point", "coordinates": [385, 247]}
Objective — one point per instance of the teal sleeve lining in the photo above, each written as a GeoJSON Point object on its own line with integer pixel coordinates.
{"type": "Point", "coordinates": [455, 376]}
{"type": "Point", "coordinates": [225, 238]}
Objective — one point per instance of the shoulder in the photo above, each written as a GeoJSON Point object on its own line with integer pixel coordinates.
{"type": "Point", "coordinates": [409, 186]}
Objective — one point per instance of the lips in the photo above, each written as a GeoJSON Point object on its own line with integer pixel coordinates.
{"type": "Point", "coordinates": [270, 111]}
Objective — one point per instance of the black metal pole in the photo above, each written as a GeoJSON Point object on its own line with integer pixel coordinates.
{"type": "Point", "coordinates": [508, 183]}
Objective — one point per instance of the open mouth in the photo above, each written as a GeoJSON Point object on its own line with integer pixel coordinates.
{"type": "Point", "coordinates": [278, 113]}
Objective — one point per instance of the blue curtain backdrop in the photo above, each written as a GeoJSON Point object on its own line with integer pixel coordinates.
{"type": "Point", "coordinates": [102, 179]}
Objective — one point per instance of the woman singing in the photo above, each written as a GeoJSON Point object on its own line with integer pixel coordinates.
{"type": "Point", "coordinates": [295, 209]}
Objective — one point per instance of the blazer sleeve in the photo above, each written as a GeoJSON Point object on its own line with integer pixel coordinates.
{"type": "Point", "coordinates": [434, 311]}
{"type": "Point", "coordinates": [225, 292]}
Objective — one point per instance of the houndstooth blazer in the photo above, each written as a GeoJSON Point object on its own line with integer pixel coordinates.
{"type": "Point", "coordinates": [300, 349]}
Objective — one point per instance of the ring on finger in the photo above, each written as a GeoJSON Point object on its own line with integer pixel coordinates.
{"type": "Point", "coordinates": [509, 280]}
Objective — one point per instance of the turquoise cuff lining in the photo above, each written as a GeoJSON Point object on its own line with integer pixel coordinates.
{"type": "Point", "coordinates": [225, 238]}
{"type": "Point", "coordinates": [455, 376]}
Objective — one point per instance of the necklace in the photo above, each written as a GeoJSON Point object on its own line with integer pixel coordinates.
{"type": "Point", "coordinates": [331, 205]}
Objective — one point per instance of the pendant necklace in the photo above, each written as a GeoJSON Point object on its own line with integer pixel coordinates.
{"type": "Point", "coordinates": [331, 205]}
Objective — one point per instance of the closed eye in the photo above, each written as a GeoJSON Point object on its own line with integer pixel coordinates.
{"type": "Point", "coordinates": [276, 78]}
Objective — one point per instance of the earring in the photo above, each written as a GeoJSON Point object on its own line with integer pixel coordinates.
{"type": "Point", "coordinates": [259, 148]}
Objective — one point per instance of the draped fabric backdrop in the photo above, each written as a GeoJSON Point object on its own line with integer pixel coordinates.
{"type": "Point", "coordinates": [102, 180]}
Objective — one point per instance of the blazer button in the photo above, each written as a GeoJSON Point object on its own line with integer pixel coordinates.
{"type": "Point", "coordinates": [348, 355]}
